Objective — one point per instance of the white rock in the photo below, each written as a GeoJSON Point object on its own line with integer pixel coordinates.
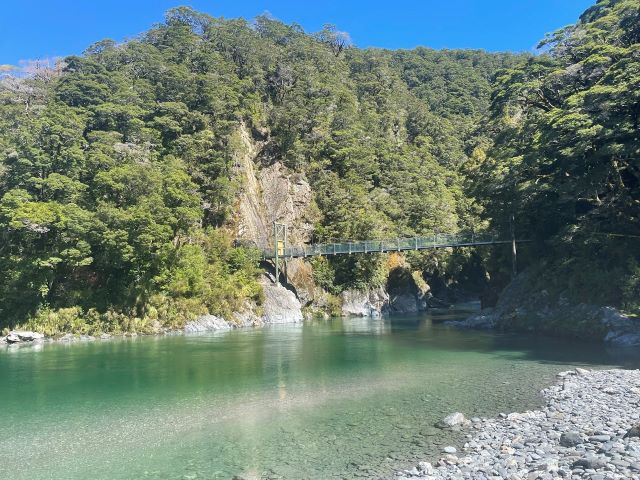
{"type": "Point", "coordinates": [452, 420]}
{"type": "Point", "coordinates": [12, 338]}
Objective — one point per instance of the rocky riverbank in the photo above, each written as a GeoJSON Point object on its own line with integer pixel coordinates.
{"type": "Point", "coordinates": [589, 429]}
{"type": "Point", "coordinates": [280, 305]}
{"type": "Point", "coordinates": [523, 307]}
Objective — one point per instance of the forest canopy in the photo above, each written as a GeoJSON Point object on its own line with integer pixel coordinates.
{"type": "Point", "coordinates": [117, 178]}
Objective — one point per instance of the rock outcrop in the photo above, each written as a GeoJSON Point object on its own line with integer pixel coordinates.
{"type": "Point", "coordinates": [367, 303]}
{"type": "Point", "coordinates": [271, 192]}
{"type": "Point", "coordinates": [280, 305]}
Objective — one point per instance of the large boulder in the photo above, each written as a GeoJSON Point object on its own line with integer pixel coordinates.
{"type": "Point", "coordinates": [17, 336]}
{"type": "Point", "coordinates": [280, 305]}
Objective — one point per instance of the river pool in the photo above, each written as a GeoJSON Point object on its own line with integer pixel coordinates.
{"type": "Point", "coordinates": [344, 398]}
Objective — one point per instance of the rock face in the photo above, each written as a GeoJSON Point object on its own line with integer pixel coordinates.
{"type": "Point", "coordinates": [622, 330]}
{"type": "Point", "coordinates": [521, 308]}
{"type": "Point", "coordinates": [408, 292]}
{"type": "Point", "coordinates": [273, 193]}
{"type": "Point", "coordinates": [207, 323]}
{"type": "Point", "coordinates": [581, 433]}
{"type": "Point", "coordinates": [368, 303]}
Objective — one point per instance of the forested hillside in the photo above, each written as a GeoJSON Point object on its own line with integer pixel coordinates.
{"type": "Point", "coordinates": [117, 181]}
{"type": "Point", "coordinates": [117, 178]}
{"type": "Point", "coordinates": [566, 157]}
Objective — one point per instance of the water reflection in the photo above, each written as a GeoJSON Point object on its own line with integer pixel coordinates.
{"type": "Point", "coordinates": [366, 325]}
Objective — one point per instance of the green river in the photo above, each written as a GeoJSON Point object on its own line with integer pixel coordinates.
{"type": "Point", "coordinates": [344, 398]}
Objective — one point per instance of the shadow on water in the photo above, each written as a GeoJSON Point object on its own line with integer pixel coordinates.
{"type": "Point", "coordinates": [429, 331]}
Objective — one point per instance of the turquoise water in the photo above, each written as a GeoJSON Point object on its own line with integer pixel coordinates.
{"type": "Point", "coordinates": [345, 398]}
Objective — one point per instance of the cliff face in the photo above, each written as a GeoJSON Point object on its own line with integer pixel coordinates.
{"type": "Point", "coordinates": [271, 192]}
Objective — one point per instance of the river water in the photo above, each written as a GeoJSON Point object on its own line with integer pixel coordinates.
{"type": "Point", "coordinates": [344, 398]}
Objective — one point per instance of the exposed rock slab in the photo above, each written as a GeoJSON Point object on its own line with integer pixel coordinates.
{"type": "Point", "coordinates": [207, 323]}
{"type": "Point", "coordinates": [18, 336]}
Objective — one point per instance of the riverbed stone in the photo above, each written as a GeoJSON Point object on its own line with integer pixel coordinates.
{"type": "Point", "coordinates": [590, 462]}
{"type": "Point", "coordinates": [633, 432]}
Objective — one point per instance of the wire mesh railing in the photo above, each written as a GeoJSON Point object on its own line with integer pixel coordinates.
{"type": "Point", "coordinates": [387, 245]}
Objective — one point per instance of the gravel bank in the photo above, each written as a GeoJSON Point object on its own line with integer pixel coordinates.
{"type": "Point", "coordinates": [589, 429]}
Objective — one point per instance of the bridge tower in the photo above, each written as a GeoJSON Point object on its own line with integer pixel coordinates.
{"type": "Point", "coordinates": [280, 245]}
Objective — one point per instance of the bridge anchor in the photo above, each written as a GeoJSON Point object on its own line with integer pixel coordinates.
{"type": "Point", "coordinates": [280, 243]}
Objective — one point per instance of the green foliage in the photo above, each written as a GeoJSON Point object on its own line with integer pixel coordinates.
{"type": "Point", "coordinates": [565, 159]}
{"type": "Point", "coordinates": [118, 172]}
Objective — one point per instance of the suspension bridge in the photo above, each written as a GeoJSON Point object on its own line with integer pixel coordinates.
{"type": "Point", "coordinates": [280, 250]}
{"type": "Point", "coordinates": [380, 246]}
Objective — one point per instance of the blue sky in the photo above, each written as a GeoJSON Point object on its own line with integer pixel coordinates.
{"type": "Point", "coordinates": [45, 28]}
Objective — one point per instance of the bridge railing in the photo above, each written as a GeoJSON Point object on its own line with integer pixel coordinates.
{"type": "Point", "coordinates": [386, 245]}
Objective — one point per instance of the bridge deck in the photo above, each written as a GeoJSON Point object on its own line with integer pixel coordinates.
{"type": "Point", "coordinates": [381, 246]}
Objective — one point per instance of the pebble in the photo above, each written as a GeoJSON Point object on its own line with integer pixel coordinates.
{"type": "Point", "coordinates": [588, 430]}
